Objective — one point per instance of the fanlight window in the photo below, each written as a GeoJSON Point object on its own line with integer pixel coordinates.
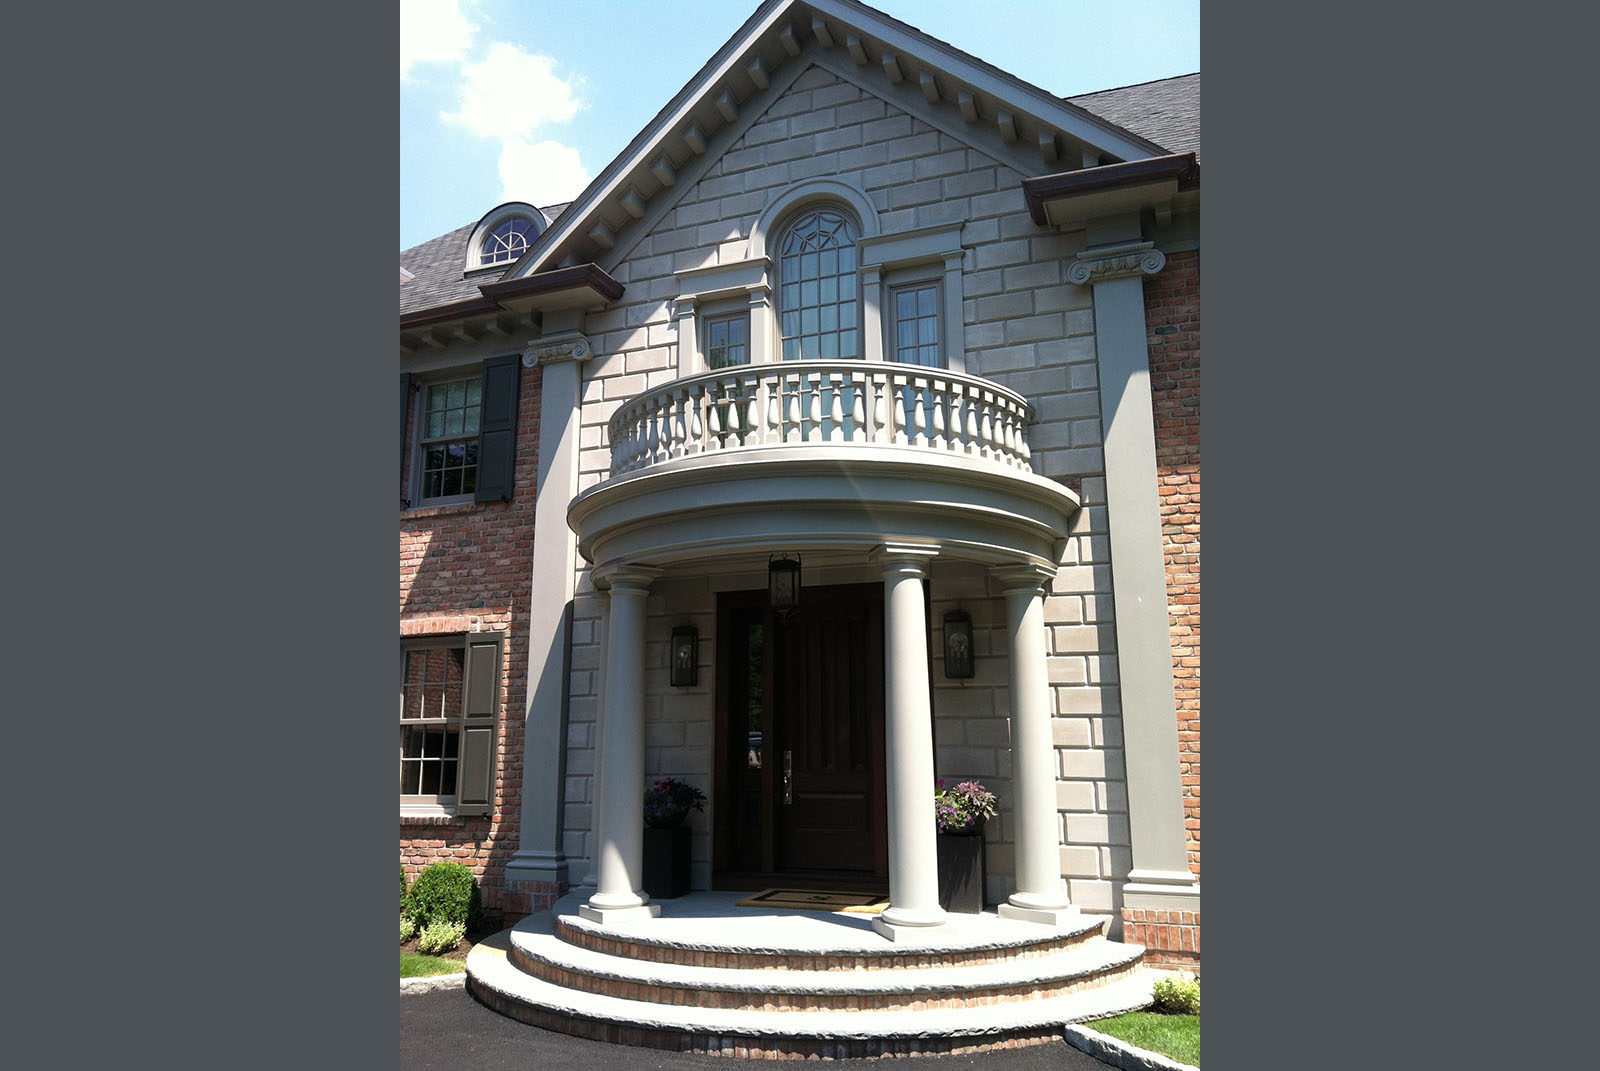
{"type": "Point", "coordinates": [507, 241]}
{"type": "Point", "coordinates": [817, 287]}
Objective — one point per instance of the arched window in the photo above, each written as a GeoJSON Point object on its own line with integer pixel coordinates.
{"type": "Point", "coordinates": [508, 241]}
{"type": "Point", "coordinates": [817, 307]}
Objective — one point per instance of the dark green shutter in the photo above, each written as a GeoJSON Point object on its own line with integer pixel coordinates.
{"type": "Point", "coordinates": [475, 794]}
{"type": "Point", "coordinates": [405, 413]}
{"type": "Point", "coordinates": [497, 429]}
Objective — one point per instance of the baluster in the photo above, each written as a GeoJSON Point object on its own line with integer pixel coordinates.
{"type": "Point", "coordinates": [837, 410]}
{"type": "Point", "coordinates": [714, 429]}
{"type": "Point", "coordinates": [940, 440]}
{"type": "Point", "coordinates": [972, 421]}
{"type": "Point", "coordinates": [1024, 451]}
{"type": "Point", "coordinates": [791, 426]}
{"type": "Point", "coordinates": [738, 424]}
{"type": "Point", "coordinates": [858, 410]}
{"type": "Point", "coordinates": [986, 429]}
{"type": "Point", "coordinates": [768, 387]}
{"type": "Point", "coordinates": [880, 429]}
{"type": "Point", "coordinates": [920, 425]}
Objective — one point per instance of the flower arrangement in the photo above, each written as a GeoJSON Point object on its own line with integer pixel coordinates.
{"type": "Point", "coordinates": [667, 802]}
{"type": "Point", "coordinates": [964, 808]}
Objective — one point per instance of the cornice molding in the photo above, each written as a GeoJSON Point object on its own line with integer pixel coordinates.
{"type": "Point", "coordinates": [1116, 262]}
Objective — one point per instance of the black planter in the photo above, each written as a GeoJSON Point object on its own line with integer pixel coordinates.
{"type": "Point", "coordinates": [961, 872]}
{"type": "Point", "coordinates": [666, 862]}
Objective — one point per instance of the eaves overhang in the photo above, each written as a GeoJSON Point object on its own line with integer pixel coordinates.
{"type": "Point", "coordinates": [1072, 197]}
{"type": "Point", "coordinates": [585, 286]}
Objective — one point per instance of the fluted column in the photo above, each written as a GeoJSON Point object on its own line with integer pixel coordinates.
{"type": "Point", "coordinates": [620, 849]}
{"type": "Point", "coordinates": [1041, 895]}
{"type": "Point", "coordinates": [908, 723]}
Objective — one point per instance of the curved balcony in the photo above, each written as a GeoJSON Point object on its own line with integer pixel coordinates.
{"type": "Point", "coordinates": [833, 457]}
{"type": "Point", "coordinates": [854, 402]}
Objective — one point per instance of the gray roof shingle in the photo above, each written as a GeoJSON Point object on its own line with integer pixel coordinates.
{"type": "Point", "coordinates": [1166, 111]}
{"type": "Point", "coordinates": [437, 265]}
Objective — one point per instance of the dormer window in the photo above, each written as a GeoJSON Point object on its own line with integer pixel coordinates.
{"type": "Point", "coordinates": [503, 236]}
{"type": "Point", "coordinates": [508, 241]}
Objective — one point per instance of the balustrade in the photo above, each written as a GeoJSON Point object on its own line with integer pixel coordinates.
{"type": "Point", "coordinates": [821, 402]}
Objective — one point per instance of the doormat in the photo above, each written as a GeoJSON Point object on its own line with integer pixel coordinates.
{"type": "Point", "coordinates": [857, 903]}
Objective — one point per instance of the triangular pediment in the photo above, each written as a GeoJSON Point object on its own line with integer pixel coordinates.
{"type": "Point", "coordinates": [1015, 122]}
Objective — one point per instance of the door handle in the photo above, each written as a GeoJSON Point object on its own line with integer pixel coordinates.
{"type": "Point", "coordinates": [788, 775]}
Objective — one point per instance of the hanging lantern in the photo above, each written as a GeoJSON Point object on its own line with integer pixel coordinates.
{"type": "Point", "coordinates": [783, 583]}
{"type": "Point", "coordinates": [957, 645]}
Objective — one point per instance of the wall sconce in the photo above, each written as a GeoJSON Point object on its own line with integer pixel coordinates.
{"type": "Point", "coordinates": [783, 583]}
{"type": "Point", "coordinates": [685, 656]}
{"type": "Point", "coordinates": [957, 645]}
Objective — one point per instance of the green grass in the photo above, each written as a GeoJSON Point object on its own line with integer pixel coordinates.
{"type": "Point", "coordinates": [1177, 1036]}
{"type": "Point", "coordinates": [415, 966]}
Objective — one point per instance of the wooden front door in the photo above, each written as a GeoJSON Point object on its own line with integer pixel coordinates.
{"type": "Point", "coordinates": [801, 747]}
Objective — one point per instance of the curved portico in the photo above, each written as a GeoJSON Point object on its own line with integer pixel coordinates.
{"type": "Point", "coordinates": [857, 492]}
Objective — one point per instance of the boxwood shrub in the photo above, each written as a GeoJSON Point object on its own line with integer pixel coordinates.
{"type": "Point", "coordinates": [444, 892]}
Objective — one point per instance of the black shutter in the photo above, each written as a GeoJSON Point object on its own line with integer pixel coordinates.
{"type": "Point", "coordinates": [405, 413]}
{"type": "Point", "coordinates": [497, 429]}
{"type": "Point", "coordinates": [475, 794]}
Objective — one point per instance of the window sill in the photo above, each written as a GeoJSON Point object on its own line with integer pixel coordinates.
{"type": "Point", "coordinates": [431, 816]}
{"type": "Point", "coordinates": [441, 511]}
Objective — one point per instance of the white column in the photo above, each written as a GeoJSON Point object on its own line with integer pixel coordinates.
{"type": "Point", "coordinates": [908, 722]}
{"type": "Point", "coordinates": [1041, 895]}
{"type": "Point", "coordinates": [619, 871]}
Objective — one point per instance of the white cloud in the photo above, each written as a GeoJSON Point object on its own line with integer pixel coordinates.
{"type": "Point", "coordinates": [510, 93]}
{"type": "Point", "coordinates": [433, 31]}
{"type": "Point", "coordinates": [543, 174]}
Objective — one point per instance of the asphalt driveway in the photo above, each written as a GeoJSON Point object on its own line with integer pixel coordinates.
{"type": "Point", "coordinates": [448, 1029]}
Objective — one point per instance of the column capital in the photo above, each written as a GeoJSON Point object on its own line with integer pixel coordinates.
{"type": "Point", "coordinates": [1024, 577]}
{"type": "Point", "coordinates": [912, 555]}
{"type": "Point", "coordinates": [567, 346]}
{"type": "Point", "coordinates": [1105, 263]}
{"type": "Point", "coordinates": [624, 576]}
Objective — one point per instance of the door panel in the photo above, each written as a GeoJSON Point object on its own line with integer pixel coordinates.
{"type": "Point", "coordinates": [828, 729]}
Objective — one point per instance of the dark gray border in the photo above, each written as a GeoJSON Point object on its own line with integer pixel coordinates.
{"type": "Point", "coordinates": [1387, 389]}
{"type": "Point", "coordinates": [203, 391]}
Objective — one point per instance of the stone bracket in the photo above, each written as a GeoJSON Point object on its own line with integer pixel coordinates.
{"type": "Point", "coordinates": [1116, 262]}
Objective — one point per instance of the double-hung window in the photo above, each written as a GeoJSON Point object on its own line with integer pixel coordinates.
{"type": "Point", "coordinates": [727, 341]}
{"type": "Point", "coordinates": [449, 698]}
{"type": "Point", "coordinates": [448, 443]}
{"type": "Point", "coordinates": [914, 312]}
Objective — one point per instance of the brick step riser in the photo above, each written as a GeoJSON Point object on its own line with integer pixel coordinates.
{"type": "Point", "coordinates": [744, 1000]}
{"type": "Point", "coordinates": [689, 957]}
{"type": "Point", "coordinates": [789, 1047]}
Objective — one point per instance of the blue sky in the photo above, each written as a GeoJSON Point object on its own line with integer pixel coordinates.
{"type": "Point", "coordinates": [530, 99]}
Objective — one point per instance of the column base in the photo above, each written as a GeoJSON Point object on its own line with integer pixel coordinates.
{"type": "Point", "coordinates": [538, 866]}
{"type": "Point", "coordinates": [607, 916]}
{"type": "Point", "coordinates": [1060, 917]}
{"type": "Point", "coordinates": [901, 924]}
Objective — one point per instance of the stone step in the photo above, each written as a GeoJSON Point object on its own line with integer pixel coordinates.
{"type": "Point", "coordinates": [496, 981]}
{"type": "Point", "coordinates": [841, 982]}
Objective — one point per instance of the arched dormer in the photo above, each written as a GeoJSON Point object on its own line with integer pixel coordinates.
{"type": "Point", "coordinates": [503, 235]}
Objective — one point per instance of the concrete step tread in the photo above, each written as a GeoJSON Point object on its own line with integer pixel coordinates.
{"type": "Point", "coordinates": [535, 937]}
{"type": "Point", "coordinates": [702, 921]}
{"type": "Point", "coordinates": [489, 967]}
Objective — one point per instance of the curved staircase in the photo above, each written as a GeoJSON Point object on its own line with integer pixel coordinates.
{"type": "Point", "coordinates": [710, 977]}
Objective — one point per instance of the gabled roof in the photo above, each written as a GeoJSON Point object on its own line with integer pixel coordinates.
{"type": "Point", "coordinates": [1042, 133]}
{"type": "Point", "coordinates": [1166, 111]}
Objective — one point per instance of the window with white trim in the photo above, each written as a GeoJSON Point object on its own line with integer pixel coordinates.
{"type": "Point", "coordinates": [818, 314]}
{"type": "Point", "coordinates": [508, 241]}
{"type": "Point", "coordinates": [449, 697]}
{"type": "Point", "coordinates": [913, 323]}
{"type": "Point", "coordinates": [447, 440]}
{"type": "Point", "coordinates": [727, 341]}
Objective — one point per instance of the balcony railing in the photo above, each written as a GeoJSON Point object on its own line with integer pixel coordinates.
{"type": "Point", "coordinates": [838, 402]}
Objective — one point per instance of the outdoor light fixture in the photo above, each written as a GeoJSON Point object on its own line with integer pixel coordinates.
{"type": "Point", "coordinates": [957, 645]}
{"type": "Point", "coordinates": [685, 656]}
{"type": "Point", "coordinates": [783, 583]}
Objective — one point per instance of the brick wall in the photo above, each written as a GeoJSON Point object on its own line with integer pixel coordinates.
{"type": "Point", "coordinates": [1172, 318]}
{"type": "Point", "coordinates": [466, 569]}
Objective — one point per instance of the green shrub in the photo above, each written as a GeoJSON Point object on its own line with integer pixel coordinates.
{"type": "Point", "coordinates": [1178, 995]}
{"type": "Point", "coordinates": [445, 892]}
{"type": "Point", "coordinates": [408, 928]}
{"type": "Point", "coordinates": [440, 937]}
{"type": "Point", "coordinates": [402, 887]}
